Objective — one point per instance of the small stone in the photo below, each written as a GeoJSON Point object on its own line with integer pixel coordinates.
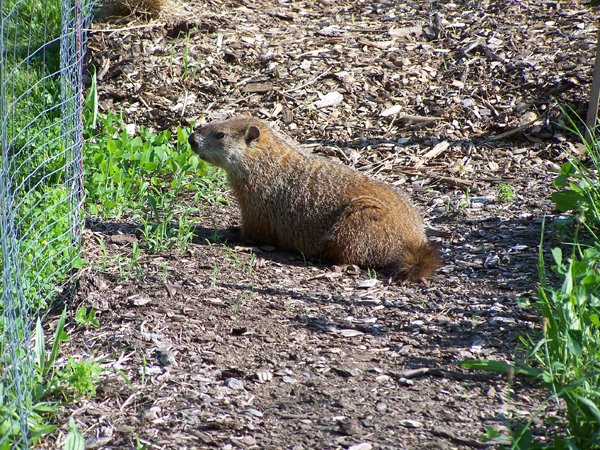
{"type": "Point", "coordinates": [164, 357]}
{"type": "Point", "coordinates": [519, 247]}
{"type": "Point", "coordinates": [367, 423]}
{"type": "Point", "coordinates": [253, 412]}
{"type": "Point", "coordinates": [263, 376]}
{"type": "Point", "coordinates": [347, 426]}
{"type": "Point", "coordinates": [346, 372]}
{"type": "Point", "coordinates": [249, 440]}
{"type": "Point", "coordinates": [409, 423]}
{"type": "Point", "coordinates": [361, 446]}
{"type": "Point", "coordinates": [491, 261]}
{"type": "Point", "coordinates": [350, 333]}
{"type": "Point", "coordinates": [368, 283]}
{"type": "Point", "coordinates": [151, 414]}
{"type": "Point", "coordinates": [381, 407]}
{"type": "Point", "coordinates": [234, 383]}
{"type": "Point", "coordinates": [140, 300]}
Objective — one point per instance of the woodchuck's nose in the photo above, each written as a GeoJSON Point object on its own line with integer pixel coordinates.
{"type": "Point", "coordinates": [193, 138]}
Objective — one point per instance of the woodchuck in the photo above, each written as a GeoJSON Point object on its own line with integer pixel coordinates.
{"type": "Point", "coordinates": [311, 205]}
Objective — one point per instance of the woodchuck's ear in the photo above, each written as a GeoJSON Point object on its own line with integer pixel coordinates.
{"type": "Point", "coordinates": [252, 134]}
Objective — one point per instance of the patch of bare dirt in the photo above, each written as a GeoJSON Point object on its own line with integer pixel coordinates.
{"type": "Point", "coordinates": [230, 346]}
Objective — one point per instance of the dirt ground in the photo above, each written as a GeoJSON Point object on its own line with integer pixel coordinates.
{"type": "Point", "coordinates": [229, 346]}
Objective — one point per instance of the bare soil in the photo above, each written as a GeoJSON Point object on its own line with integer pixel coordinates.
{"type": "Point", "coordinates": [229, 346]}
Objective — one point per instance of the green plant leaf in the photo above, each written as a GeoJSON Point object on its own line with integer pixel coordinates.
{"type": "Point", "coordinates": [591, 407]}
{"type": "Point", "coordinates": [566, 200]}
{"type": "Point", "coordinates": [489, 365]}
{"type": "Point", "coordinates": [574, 342]}
{"type": "Point", "coordinates": [557, 255]}
{"type": "Point", "coordinates": [75, 440]}
{"type": "Point", "coordinates": [79, 263]}
{"type": "Point", "coordinates": [567, 170]}
{"type": "Point", "coordinates": [40, 346]}
{"type": "Point", "coordinates": [59, 336]}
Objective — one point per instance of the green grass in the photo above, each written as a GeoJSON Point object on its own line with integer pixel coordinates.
{"type": "Point", "coordinates": [564, 356]}
{"type": "Point", "coordinates": [152, 178]}
{"type": "Point", "coordinates": [577, 184]}
{"type": "Point", "coordinates": [505, 192]}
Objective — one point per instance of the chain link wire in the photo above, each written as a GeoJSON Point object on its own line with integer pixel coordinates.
{"type": "Point", "coordinates": [41, 190]}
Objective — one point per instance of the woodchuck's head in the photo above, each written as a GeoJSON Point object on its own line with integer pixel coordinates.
{"type": "Point", "coordinates": [224, 143]}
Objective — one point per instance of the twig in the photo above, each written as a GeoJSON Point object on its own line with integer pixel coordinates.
{"type": "Point", "coordinates": [185, 101]}
{"type": "Point", "coordinates": [116, 30]}
{"type": "Point", "coordinates": [410, 119]}
{"type": "Point", "coordinates": [415, 373]}
{"type": "Point", "coordinates": [513, 131]}
{"type": "Point", "coordinates": [308, 83]}
{"type": "Point", "coordinates": [436, 151]}
{"type": "Point", "coordinates": [451, 181]}
{"type": "Point", "coordinates": [442, 432]}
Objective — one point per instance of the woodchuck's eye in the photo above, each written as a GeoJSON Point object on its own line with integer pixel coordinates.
{"type": "Point", "coordinates": [219, 135]}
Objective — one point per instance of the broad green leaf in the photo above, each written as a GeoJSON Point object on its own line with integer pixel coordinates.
{"type": "Point", "coordinates": [567, 200]}
{"type": "Point", "coordinates": [75, 440]}
{"type": "Point", "coordinates": [40, 346]}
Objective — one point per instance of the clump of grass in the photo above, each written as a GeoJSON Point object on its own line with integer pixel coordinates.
{"type": "Point", "coordinates": [148, 177]}
{"type": "Point", "coordinates": [565, 356]}
{"type": "Point", "coordinates": [505, 192]}
{"type": "Point", "coordinates": [577, 184]}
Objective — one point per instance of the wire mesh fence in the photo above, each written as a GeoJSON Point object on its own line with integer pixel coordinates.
{"type": "Point", "coordinates": [41, 190]}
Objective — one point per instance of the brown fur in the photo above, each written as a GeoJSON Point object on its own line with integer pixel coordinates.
{"type": "Point", "coordinates": [315, 206]}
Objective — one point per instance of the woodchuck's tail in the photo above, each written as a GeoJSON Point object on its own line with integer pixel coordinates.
{"type": "Point", "coordinates": [417, 262]}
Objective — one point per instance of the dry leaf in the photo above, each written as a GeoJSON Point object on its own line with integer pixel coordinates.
{"type": "Point", "coordinates": [391, 110]}
{"type": "Point", "coordinates": [330, 99]}
{"type": "Point", "coordinates": [350, 333]}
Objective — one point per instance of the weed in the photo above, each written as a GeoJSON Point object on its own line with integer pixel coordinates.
{"type": "Point", "coordinates": [86, 318]}
{"type": "Point", "coordinates": [105, 257]}
{"type": "Point", "coordinates": [505, 192]}
{"type": "Point", "coordinates": [465, 202]}
{"type": "Point", "coordinates": [566, 357]}
{"type": "Point", "coordinates": [237, 262]}
{"type": "Point", "coordinates": [75, 440]}
{"type": "Point", "coordinates": [138, 444]}
{"type": "Point", "coordinates": [135, 260]}
{"type": "Point", "coordinates": [79, 377]}
{"type": "Point", "coordinates": [216, 237]}
{"type": "Point", "coordinates": [186, 57]}
{"type": "Point", "coordinates": [129, 173]}
{"type": "Point", "coordinates": [251, 262]}
{"type": "Point", "coordinates": [246, 296]}
{"type": "Point", "coordinates": [155, 235]}
{"type": "Point", "coordinates": [214, 274]}
{"type": "Point", "coordinates": [578, 186]}
{"type": "Point", "coordinates": [48, 380]}
{"type": "Point", "coordinates": [165, 272]}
